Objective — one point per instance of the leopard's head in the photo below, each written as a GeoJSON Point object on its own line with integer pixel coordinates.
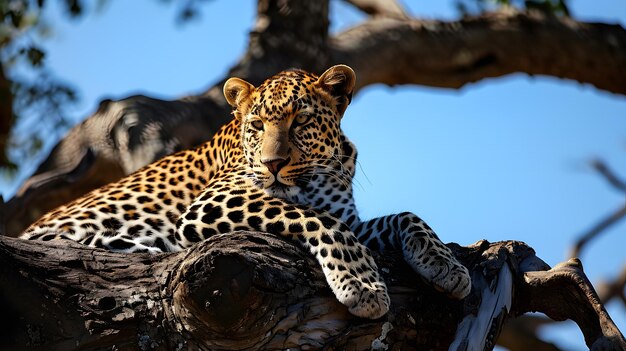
{"type": "Point", "coordinates": [290, 125]}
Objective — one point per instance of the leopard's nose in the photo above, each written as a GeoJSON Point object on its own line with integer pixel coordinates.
{"type": "Point", "coordinates": [275, 165]}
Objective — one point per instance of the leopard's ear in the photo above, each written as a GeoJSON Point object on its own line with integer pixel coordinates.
{"type": "Point", "coordinates": [339, 82]}
{"type": "Point", "coordinates": [236, 91]}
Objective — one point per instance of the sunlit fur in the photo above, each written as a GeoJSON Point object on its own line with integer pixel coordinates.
{"type": "Point", "coordinates": [288, 126]}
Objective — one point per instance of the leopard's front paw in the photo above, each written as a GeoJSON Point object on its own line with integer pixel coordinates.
{"type": "Point", "coordinates": [364, 300]}
{"type": "Point", "coordinates": [365, 295]}
{"type": "Point", "coordinates": [457, 283]}
{"type": "Point", "coordinates": [443, 272]}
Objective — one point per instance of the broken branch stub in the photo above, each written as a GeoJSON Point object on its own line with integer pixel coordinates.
{"type": "Point", "coordinates": [565, 292]}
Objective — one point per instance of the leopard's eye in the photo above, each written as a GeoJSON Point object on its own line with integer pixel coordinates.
{"type": "Point", "coordinates": [257, 124]}
{"type": "Point", "coordinates": [303, 118]}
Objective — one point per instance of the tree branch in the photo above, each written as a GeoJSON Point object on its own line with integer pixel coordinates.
{"type": "Point", "coordinates": [609, 220]}
{"type": "Point", "coordinates": [609, 175]}
{"type": "Point", "coordinates": [564, 292]}
{"type": "Point", "coordinates": [521, 334]}
{"type": "Point", "coordinates": [453, 54]}
{"type": "Point", "coordinates": [250, 291]}
{"type": "Point", "coordinates": [614, 288]}
{"type": "Point", "coordinates": [601, 226]}
{"type": "Point", "coordinates": [383, 8]}
{"type": "Point", "coordinates": [286, 34]}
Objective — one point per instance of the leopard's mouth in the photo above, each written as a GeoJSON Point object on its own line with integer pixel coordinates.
{"type": "Point", "coordinates": [280, 180]}
{"type": "Point", "coordinates": [282, 190]}
{"type": "Point", "coordinates": [278, 185]}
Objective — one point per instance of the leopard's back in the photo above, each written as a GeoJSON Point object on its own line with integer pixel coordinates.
{"type": "Point", "coordinates": [139, 212]}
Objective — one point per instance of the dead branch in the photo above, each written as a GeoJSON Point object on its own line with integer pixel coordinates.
{"type": "Point", "coordinates": [600, 227]}
{"type": "Point", "coordinates": [609, 175]}
{"type": "Point", "coordinates": [609, 220]}
{"type": "Point", "coordinates": [613, 289]}
{"type": "Point", "coordinates": [564, 292]}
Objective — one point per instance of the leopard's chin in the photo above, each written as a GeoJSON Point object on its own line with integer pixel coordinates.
{"type": "Point", "coordinates": [278, 189]}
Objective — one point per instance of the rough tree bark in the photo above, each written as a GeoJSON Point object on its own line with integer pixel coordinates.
{"type": "Point", "coordinates": [454, 54]}
{"type": "Point", "coordinates": [246, 291]}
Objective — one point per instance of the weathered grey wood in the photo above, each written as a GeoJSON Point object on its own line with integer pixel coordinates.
{"type": "Point", "coordinates": [243, 291]}
{"type": "Point", "coordinates": [565, 292]}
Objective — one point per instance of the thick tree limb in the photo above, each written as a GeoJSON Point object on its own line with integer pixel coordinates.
{"type": "Point", "coordinates": [453, 54]}
{"type": "Point", "coordinates": [286, 34]}
{"type": "Point", "coordinates": [250, 291]}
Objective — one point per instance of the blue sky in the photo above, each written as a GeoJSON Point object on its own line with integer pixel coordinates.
{"type": "Point", "coordinates": [505, 158]}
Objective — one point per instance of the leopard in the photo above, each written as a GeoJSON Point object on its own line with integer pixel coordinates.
{"type": "Point", "coordinates": [283, 166]}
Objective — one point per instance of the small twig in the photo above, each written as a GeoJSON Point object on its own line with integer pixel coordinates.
{"type": "Point", "coordinates": [597, 229]}
{"type": "Point", "coordinates": [612, 218]}
{"type": "Point", "coordinates": [609, 290]}
{"type": "Point", "coordinates": [609, 175]}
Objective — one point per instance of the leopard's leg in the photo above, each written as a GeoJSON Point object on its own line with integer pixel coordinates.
{"type": "Point", "coordinates": [347, 264]}
{"type": "Point", "coordinates": [422, 250]}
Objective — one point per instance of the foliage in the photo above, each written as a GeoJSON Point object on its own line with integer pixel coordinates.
{"type": "Point", "coordinates": [38, 99]}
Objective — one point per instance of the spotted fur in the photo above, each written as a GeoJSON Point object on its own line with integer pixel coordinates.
{"type": "Point", "coordinates": [282, 166]}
